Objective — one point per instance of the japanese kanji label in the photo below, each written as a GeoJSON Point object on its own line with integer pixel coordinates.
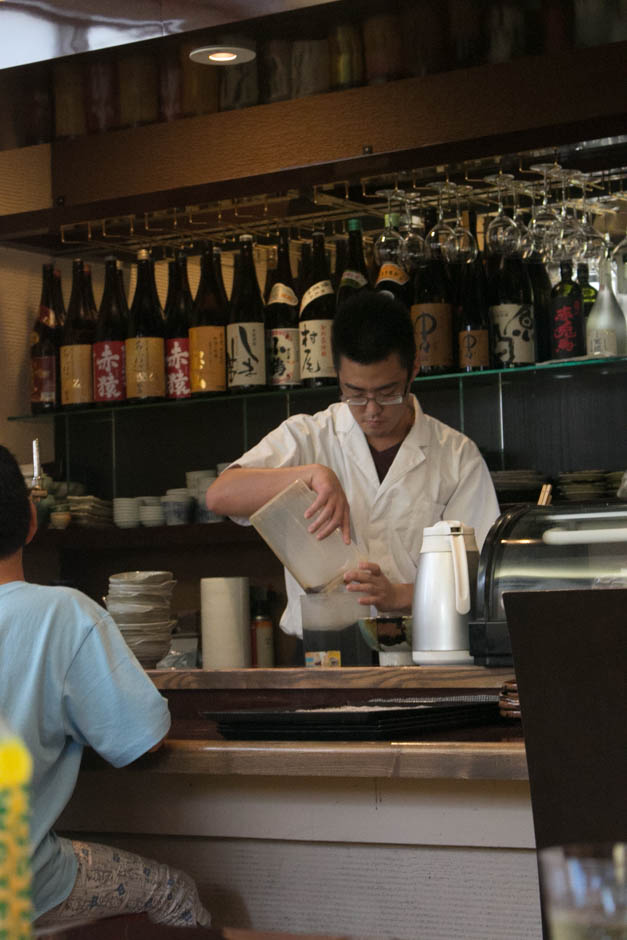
{"type": "Point", "coordinates": [207, 358]}
{"type": "Point", "coordinates": [145, 367]}
{"type": "Point", "coordinates": [76, 374]}
{"type": "Point", "coordinates": [245, 354]}
{"type": "Point", "coordinates": [316, 360]}
{"type": "Point", "coordinates": [109, 383]}
{"type": "Point", "coordinates": [283, 357]}
{"type": "Point", "coordinates": [177, 367]}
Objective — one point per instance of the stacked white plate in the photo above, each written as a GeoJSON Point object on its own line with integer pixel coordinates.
{"type": "Point", "coordinates": [140, 604]}
{"type": "Point", "coordinates": [126, 512]}
{"type": "Point", "coordinates": [90, 510]}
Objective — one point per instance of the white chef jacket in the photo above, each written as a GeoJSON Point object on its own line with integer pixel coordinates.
{"type": "Point", "coordinates": [438, 473]}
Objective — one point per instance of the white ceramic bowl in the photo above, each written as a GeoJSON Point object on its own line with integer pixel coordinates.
{"type": "Point", "coordinates": [141, 577]}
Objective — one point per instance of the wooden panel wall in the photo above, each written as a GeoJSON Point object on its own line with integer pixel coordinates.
{"type": "Point", "coordinates": [536, 100]}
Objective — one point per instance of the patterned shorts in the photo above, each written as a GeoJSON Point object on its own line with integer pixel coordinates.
{"type": "Point", "coordinates": [110, 881]}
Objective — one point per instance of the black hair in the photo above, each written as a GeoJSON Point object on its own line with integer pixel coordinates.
{"type": "Point", "coordinates": [370, 326]}
{"type": "Point", "coordinates": [14, 505]}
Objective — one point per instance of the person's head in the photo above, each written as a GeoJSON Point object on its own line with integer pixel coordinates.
{"type": "Point", "coordinates": [374, 351]}
{"type": "Point", "coordinates": [371, 326]}
{"type": "Point", "coordinates": [15, 506]}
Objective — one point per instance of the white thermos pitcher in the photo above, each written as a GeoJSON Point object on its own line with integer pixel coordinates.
{"type": "Point", "coordinates": [444, 594]}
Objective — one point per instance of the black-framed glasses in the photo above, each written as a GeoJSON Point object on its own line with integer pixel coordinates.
{"type": "Point", "coordinates": [381, 400]}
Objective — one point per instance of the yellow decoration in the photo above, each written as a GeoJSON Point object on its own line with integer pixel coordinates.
{"type": "Point", "coordinates": [16, 764]}
{"type": "Point", "coordinates": [15, 903]}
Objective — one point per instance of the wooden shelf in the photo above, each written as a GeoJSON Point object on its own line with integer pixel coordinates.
{"type": "Point", "coordinates": [80, 539]}
{"type": "Point", "coordinates": [486, 111]}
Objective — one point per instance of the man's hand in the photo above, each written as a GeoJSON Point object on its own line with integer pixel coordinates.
{"type": "Point", "coordinates": [376, 589]}
{"type": "Point", "coordinates": [331, 502]}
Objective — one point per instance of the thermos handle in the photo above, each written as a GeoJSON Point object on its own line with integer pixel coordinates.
{"type": "Point", "coordinates": [460, 572]}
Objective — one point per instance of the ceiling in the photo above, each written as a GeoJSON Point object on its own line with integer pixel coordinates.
{"type": "Point", "coordinates": [40, 30]}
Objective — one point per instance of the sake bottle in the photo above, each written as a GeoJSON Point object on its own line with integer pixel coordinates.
{"type": "Point", "coordinates": [43, 349]}
{"type": "Point", "coordinates": [511, 314]}
{"type": "Point", "coordinates": [76, 343]}
{"type": "Point", "coordinates": [145, 346]}
{"type": "Point", "coordinates": [108, 354]}
{"type": "Point", "coordinates": [317, 311]}
{"type": "Point", "coordinates": [605, 327]}
{"type": "Point", "coordinates": [282, 334]}
{"type": "Point", "coordinates": [355, 274]}
{"type": "Point", "coordinates": [567, 333]}
{"type": "Point", "coordinates": [177, 323]}
{"type": "Point", "coordinates": [432, 317]}
{"type": "Point", "coordinates": [207, 333]}
{"type": "Point", "coordinates": [245, 333]}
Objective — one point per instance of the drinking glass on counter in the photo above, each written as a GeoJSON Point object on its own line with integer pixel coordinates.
{"type": "Point", "coordinates": [584, 890]}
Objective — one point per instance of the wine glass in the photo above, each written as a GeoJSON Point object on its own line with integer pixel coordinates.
{"type": "Point", "coordinates": [502, 234]}
{"type": "Point", "coordinates": [566, 237]}
{"type": "Point", "coordinates": [594, 249]}
{"type": "Point", "coordinates": [440, 239]}
{"type": "Point", "coordinates": [544, 216]}
{"type": "Point", "coordinates": [464, 247]}
{"type": "Point", "coordinates": [389, 244]}
{"type": "Point", "coordinates": [518, 188]}
{"type": "Point", "coordinates": [413, 249]}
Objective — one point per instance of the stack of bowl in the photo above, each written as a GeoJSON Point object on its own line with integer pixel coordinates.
{"type": "Point", "coordinates": [140, 604]}
{"type": "Point", "coordinates": [177, 505]}
{"type": "Point", "coordinates": [198, 482]}
{"type": "Point", "coordinates": [150, 510]}
{"type": "Point", "coordinates": [125, 512]}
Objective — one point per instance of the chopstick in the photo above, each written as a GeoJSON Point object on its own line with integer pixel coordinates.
{"type": "Point", "coordinates": [544, 499]}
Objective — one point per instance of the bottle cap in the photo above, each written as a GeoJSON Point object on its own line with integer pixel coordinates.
{"type": "Point", "coordinates": [142, 255]}
{"type": "Point", "coordinates": [354, 225]}
{"type": "Point", "coordinates": [245, 238]}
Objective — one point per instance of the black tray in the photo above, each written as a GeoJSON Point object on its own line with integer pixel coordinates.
{"type": "Point", "coordinates": [364, 722]}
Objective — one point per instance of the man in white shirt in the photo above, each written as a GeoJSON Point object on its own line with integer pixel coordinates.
{"type": "Point", "coordinates": [382, 469]}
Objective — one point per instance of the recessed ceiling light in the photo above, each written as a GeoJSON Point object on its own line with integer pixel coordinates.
{"type": "Point", "coordinates": [222, 55]}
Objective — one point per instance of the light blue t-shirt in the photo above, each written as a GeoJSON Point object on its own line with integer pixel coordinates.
{"type": "Point", "coordinates": [67, 680]}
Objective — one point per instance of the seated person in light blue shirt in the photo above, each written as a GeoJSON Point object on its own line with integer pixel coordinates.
{"type": "Point", "coordinates": [68, 680]}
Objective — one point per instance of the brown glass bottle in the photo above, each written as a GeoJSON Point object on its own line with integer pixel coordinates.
{"type": "Point", "coordinates": [568, 332]}
{"type": "Point", "coordinates": [76, 343]}
{"type": "Point", "coordinates": [432, 316]}
{"type": "Point", "coordinates": [207, 334]}
{"type": "Point", "coordinates": [245, 333]}
{"type": "Point", "coordinates": [108, 352]}
{"type": "Point", "coordinates": [145, 348]}
{"type": "Point", "coordinates": [178, 315]}
{"type": "Point", "coordinates": [282, 334]}
{"type": "Point", "coordinates": [355, 274]}
{"type": "Point", "coordinates": [473, 333]}
{"type": "Point", "coordinates": [317, 311]}
{"type": "Point", "coordinates": [43, 349]}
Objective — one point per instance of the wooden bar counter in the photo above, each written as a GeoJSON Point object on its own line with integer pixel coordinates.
{"type": "Point", "coordinates": [424, 837]}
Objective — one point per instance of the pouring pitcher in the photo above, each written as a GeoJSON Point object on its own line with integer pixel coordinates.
{"type": "Point", "coordinates": [444, 594]}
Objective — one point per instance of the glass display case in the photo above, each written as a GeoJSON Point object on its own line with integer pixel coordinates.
{"type": "Point", "coordinates": [532, 548]}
